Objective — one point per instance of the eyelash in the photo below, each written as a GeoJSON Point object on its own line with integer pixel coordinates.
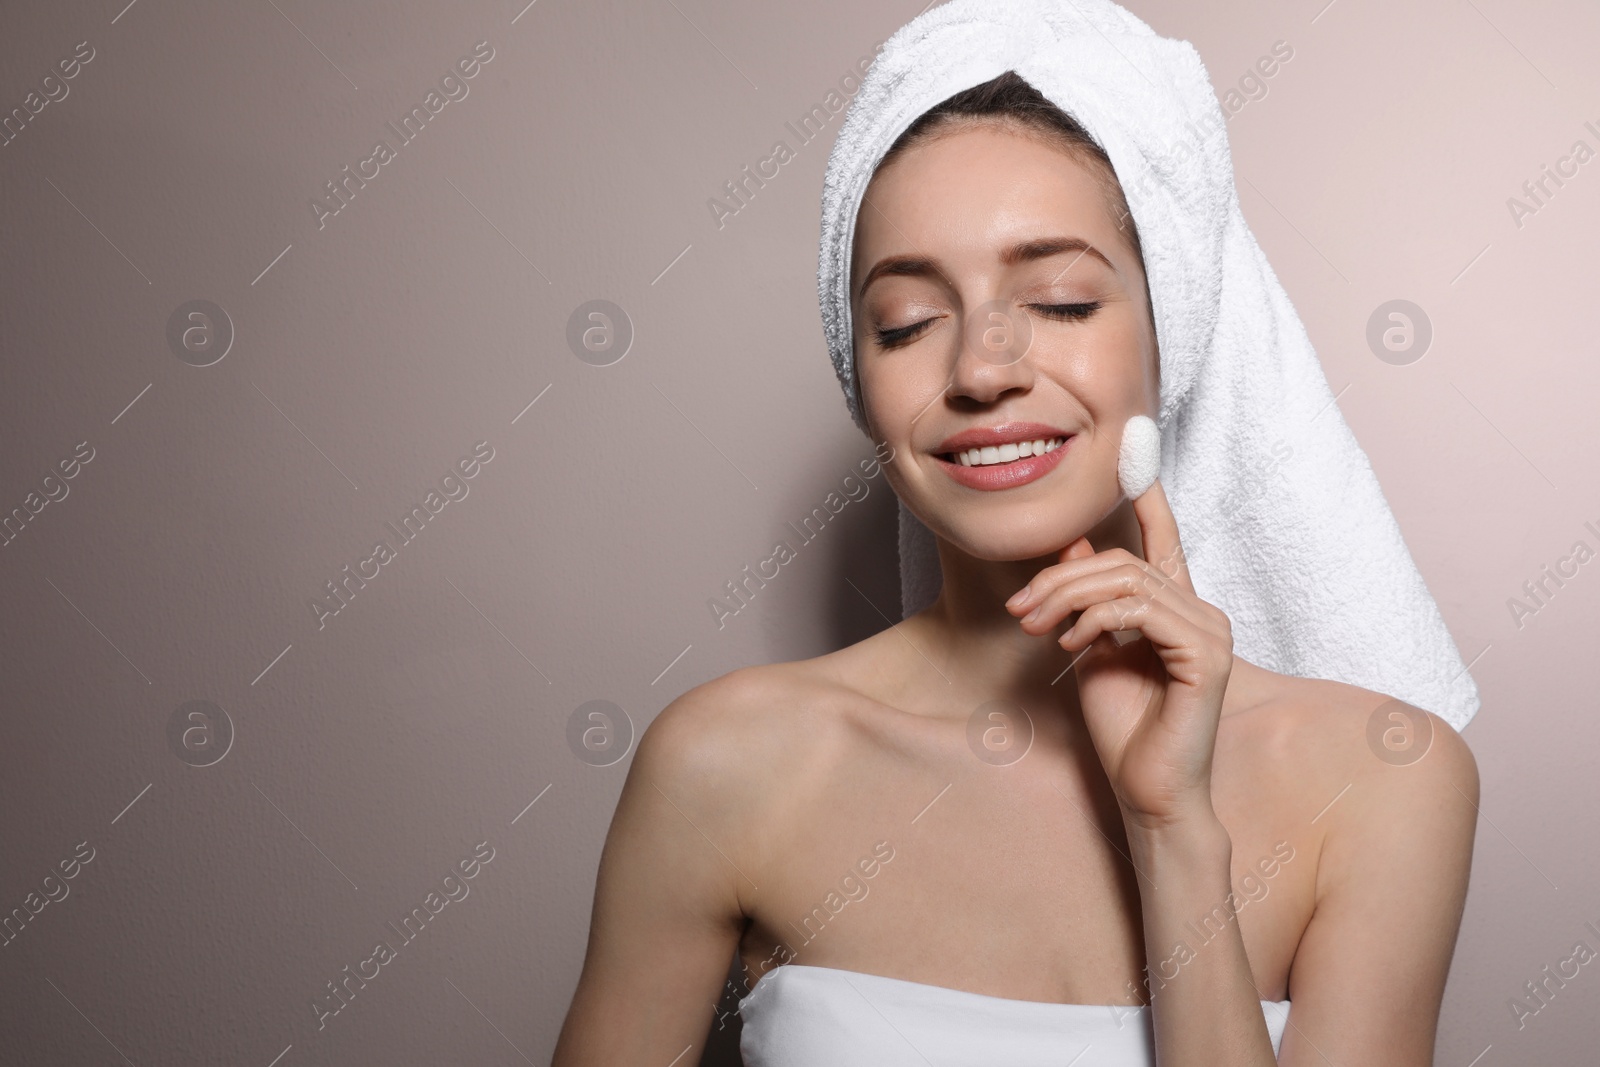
{"type": "Point", "coordinates": [893, 338]}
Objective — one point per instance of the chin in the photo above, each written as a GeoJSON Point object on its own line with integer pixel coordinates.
{"type": "Point", "coordinates": [1008, 533]}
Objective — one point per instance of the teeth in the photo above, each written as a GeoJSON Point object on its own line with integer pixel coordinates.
{"type": "Point", "coordinates": [992, 454]}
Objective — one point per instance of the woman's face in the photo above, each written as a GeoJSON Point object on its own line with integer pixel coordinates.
{"type": "Point", "coordinates": [992, 291]}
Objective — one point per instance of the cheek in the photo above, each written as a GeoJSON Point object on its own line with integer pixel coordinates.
{"type": "Point", "coordinates": [1136, 382]}
{"type": "Point", "coordinates": [897, 386]}
{"type": "Point", "coordinates": [1112, 371]}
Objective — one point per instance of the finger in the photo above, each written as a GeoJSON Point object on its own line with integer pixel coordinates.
{"type": "Point", "coordinates": [1075, 561]}
{"type": "Point", "coordinates": [1191, 655]}
{"type": "Point", "coordinates": [1079, 549]}
{"type": "Point", "coordinates": [1136, 579]}
{"type": "Point", "coordinates": [1078, 560]}
{"type": "Point", "coordinates": [1163, 549]}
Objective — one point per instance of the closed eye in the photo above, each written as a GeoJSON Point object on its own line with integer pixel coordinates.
{"type": "Point", "coordinates": [894, 338]}
{"type": "Point", "coordinates": [1067, 311]}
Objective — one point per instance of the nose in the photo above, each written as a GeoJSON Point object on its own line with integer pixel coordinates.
{"type": "Point", "coordinates": [992, 358]}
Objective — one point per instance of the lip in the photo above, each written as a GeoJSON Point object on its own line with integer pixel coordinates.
{"type": "Point", "coordinates": [1007, 433]}
{"type": "Point", "coordinates": [1003, 475]}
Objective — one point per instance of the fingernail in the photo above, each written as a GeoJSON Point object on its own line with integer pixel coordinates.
{"type": "Point", "coordinates": [1034, 614]}
{"type": "Point", "coordinates": [1019, 597]}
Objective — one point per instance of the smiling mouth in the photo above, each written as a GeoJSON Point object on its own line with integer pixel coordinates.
{"type": "Point", "coordinates": [998, 455]}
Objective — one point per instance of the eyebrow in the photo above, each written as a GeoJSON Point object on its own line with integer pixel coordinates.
{"type": "Point", "coordinates": [917, 266]}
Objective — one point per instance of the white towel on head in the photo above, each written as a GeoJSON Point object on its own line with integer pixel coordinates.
{"type": "Point", "coordinates": [1283, 522]}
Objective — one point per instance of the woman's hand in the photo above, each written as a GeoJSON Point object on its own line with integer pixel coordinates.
{"type": "Point", "coordinates": [1151, 705]}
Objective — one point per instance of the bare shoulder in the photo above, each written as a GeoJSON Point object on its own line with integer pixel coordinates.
{"type": "Point", "coordinates": [1383, 774]}
{"type": "Point", "coordinates": [689, 846]}
{"type": "Point", "coordinates": [1383, 743]}
{"type": "Point", "coordinates": [738, 720]}
{"type": "Point", "coordinates": [738, 747]}
{"type": "Point", "coordinates": [1358, 732]}
{"type": "Point", "coordinates": [1392, 791]}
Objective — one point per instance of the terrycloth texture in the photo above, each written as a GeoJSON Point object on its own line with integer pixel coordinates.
{"type": "Point", "coordinates": [1283, 522]}
{"type": "Point", "coordinates": [802, 1016]}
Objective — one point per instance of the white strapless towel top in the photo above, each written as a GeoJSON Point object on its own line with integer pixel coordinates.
{"type": "Point", "coordinates": [803, 1016]}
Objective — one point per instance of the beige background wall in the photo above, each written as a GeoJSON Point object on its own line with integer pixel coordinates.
{"type": "Point", "coordinates": [372, 349]}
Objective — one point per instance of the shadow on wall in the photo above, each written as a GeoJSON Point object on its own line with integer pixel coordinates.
{"type": "Point", "coordinates": [867, 553]}
{"type": "Point", "coordinates": [844, 536]}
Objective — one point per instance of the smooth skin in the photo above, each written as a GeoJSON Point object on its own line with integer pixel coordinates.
{"type": "Point", "coordinates": [1166, 781]}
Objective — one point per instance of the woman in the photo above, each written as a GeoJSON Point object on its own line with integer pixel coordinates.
{"type": "Point", "coordinates": [1182, 843]}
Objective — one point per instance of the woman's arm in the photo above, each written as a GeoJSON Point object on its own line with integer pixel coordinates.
{"type": "Point", "coordinates": [1369, 972]}
{"type": "Point", "coordinates": [667, 912]}
{"type": "Point", "coordinates": [1152, 707]}
{"type": "Point", "coordinates": [1369, 975]}
{"type": "Point", "coordinates": [1205, 1005]}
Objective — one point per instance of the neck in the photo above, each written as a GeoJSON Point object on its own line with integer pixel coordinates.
{"type": "Point", "coordinates": [980, 647]}
{"type": "Point", "coordinates": [980, 652]}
